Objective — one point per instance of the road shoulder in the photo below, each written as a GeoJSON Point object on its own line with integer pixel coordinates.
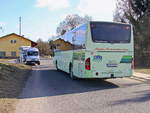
{"type": "Point", "coordinates": [12, 80]}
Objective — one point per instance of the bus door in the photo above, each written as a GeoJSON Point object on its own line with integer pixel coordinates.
{"type": "Point", "coordinates": [78, 56]}
{"type": "Point", "coordinates": [74, 57]}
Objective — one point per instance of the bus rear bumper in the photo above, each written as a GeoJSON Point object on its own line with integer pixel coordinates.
{"type": "Point", "coordinates": [106, 75]}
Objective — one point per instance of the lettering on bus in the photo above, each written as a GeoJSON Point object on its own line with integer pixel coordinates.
{"type": "Point", "coordinates": [111, 72]}
{"type": "Point", "coordinates": [97, 58]}
{"type": "Point", "coordinates": [112, 63]}
{"type": "Point", "coordinates": [110, 49]}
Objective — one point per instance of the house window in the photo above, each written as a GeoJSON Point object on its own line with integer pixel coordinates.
{"type": "Point", "coordinates": [13, 41]}
{"type": "Point", "coordinates": [13, 54]}
{"type": "Point", "coordinates": [2, 54]}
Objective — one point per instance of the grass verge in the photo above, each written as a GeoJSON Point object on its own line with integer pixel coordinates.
{"type": "Point", "coordinates": [12, 81]}
{"type": "Point", "coordinates": [143, 70]}
{"type": "Point", "coordinates": [5, 60]}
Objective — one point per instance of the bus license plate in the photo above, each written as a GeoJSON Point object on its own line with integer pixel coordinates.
{"type": "Point", "coordinates": [111, 65]}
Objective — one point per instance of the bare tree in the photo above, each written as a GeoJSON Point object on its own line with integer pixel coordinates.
{"type": "Point", "coordinates": [70, 22]}
{"type": "Point", "coordinates": [43, 47]}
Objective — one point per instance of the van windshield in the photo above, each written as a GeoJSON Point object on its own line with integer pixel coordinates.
{"type": "Point", "coordinates": [110, 32]}
{"type": "Point", "coordinates": [33, 53]}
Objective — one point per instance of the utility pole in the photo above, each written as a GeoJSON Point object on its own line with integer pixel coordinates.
{"type": "Point", "coordinates": [1, 28]}
{"type": "Point", "coordinates": [20, 25]}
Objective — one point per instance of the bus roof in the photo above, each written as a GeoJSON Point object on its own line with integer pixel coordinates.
{"type": "Point", "coordinates": [98, 22]}
{"type": "Point", "coordinates": [91, 22]}
{"type": "Point", "coordinates": [111, 22]}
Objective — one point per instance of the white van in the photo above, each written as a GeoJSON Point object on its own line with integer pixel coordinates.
{"type": "Point", "coordinates": [30, 55]}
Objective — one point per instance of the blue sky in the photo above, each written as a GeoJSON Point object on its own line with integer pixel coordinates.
{"type": "Point", "coordinates": [40, 18]}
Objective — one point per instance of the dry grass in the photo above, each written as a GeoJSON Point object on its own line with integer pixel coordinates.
{"type": "Point", "coordinates": [5, 60]}
{"type": "Point", "coordinates": [7, 105]}
{"type": "Point", "coordinates": [12, 79]}
{"type": "Point", "coordinates": [143, 70]}
{"type": "Point", "coordinates": [46, 56]}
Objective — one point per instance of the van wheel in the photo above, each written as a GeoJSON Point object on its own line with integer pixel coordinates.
{"type": "Point", "coordinates": [26, 63]}
{"type": "Point", "coordinates": [71, 73]}
{"type": "Point", "coordinates": [38, 63]}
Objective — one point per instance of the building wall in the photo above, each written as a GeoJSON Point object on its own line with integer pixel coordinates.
{"type": "Point", "coordinates": [8, 47]}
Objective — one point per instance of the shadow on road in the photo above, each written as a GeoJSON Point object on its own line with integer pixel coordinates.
{"type": "Point", "coordinates": [142, 96]}
{"type": "Point", "coordinates": [54, 83]}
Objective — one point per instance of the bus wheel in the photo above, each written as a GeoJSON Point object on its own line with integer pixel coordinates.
{"type": "Point", "coordinates": [57, 66]}
{"type": "Point", "coordinates": [71, 73]}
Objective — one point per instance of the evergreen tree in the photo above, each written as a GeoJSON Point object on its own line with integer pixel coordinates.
{"type": "Point", "coordinates": [137, 12]}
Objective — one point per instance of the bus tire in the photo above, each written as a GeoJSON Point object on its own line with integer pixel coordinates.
{"type": "Point", "coordinates": [57, 66]}
{"type": "Point", "coordinates": [71, 72]}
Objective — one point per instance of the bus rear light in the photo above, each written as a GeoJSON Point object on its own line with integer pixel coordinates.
{"type": "Point", "coordinates": [88, 64]}
{"type": "Point", "coordinates": [132, 65]}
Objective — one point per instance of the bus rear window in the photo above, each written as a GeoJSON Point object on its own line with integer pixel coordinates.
{"type": "Point", "coordinates": [110, 32]}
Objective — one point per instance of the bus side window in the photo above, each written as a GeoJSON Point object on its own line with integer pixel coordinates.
{"type": "Point", "coordinates": [80, 37]}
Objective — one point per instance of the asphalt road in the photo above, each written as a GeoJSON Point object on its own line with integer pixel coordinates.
{"type": "Point", "coordinates": [50, 91]}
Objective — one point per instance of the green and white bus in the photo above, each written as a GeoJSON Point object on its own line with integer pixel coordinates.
{"type": "Point", "coordinates": [98, 50]}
